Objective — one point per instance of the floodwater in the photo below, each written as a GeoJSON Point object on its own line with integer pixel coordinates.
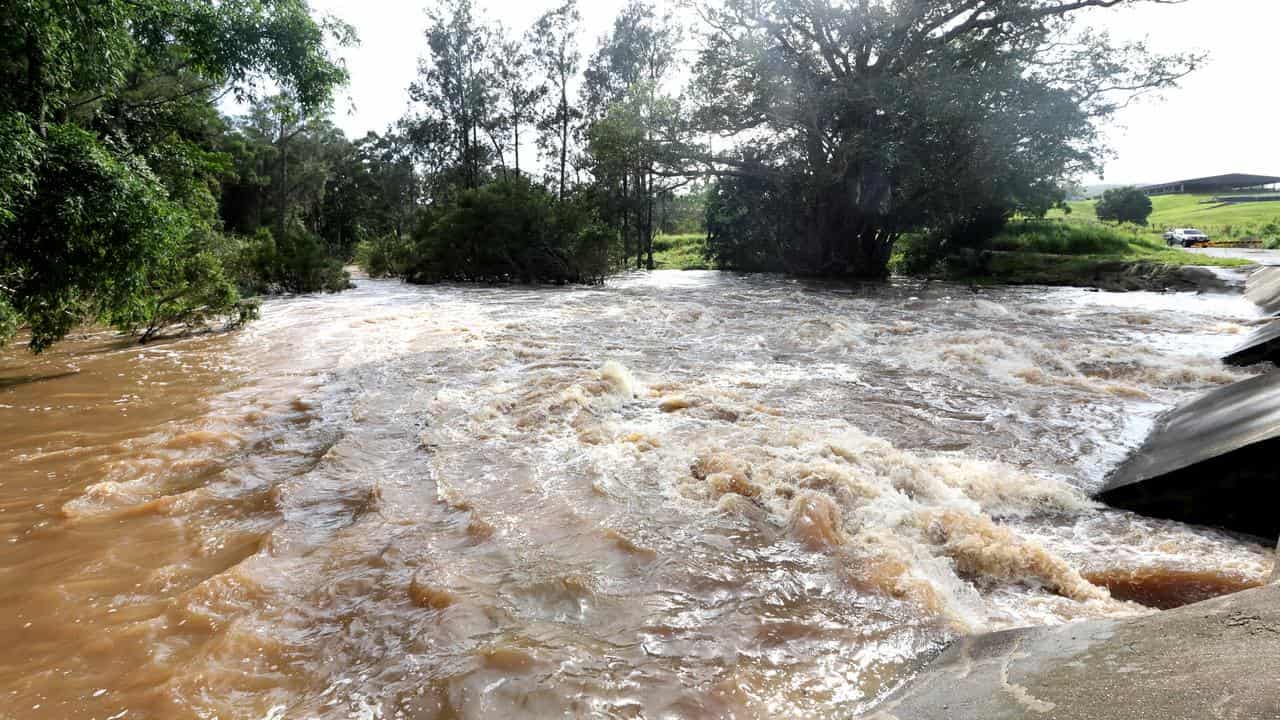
{"type": "Point", "coordinates": [681, 495]}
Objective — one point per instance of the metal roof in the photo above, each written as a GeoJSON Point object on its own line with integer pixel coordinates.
{"type": "Point", "coordinates": [1229, 180]}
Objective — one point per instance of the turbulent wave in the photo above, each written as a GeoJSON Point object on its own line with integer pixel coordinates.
{"type": "Point", "coordinates": [684, 495]}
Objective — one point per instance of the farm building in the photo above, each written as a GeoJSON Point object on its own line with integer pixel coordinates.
{"type": "Point", "coordinates": [1235, 182]}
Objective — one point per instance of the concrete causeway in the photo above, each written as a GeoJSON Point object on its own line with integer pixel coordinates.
{"type": "Point", "coordinates": [1215, 659]}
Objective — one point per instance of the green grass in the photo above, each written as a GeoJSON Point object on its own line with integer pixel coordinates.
{"type": "Point", "coordinates": [680, 252]}
{"type": "Point", "coordinates": [1097, 242]}
{"type": "Point", "coordinates": [1260, 220]}
{"type": "Point", "coordinates": [1076, 252]}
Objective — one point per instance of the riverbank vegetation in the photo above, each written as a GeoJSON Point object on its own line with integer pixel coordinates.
{"type": "Point", "coordinates": [809, 138]}
{"type": "Point", "coordinates": [113, 159]}
{"type": "Point", "coordinates": [833, 151]}
{"type": "Point", "coordinates": [1058, 252]}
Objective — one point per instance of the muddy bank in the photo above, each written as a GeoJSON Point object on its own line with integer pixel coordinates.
{"type": "Point", "coordinates": [1214, 659]}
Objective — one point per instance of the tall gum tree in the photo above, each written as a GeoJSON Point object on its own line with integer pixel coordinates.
{"type": "Point", "coordinates": [627, 112]}
{"type": "Point", "coordinates": [455, 90]}
{"type": "Point", "coordinates": [555, 49]}
{"type": "Point", "coordinates": [892, 116]}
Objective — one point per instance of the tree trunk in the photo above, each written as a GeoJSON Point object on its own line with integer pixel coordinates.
{"type": "Point", "coordinates": [626, 223]}
{"type": "Point", "coordinates": [37, 101]}
{"type": "Point", "coordinates": [648, 223]}
{"type": "Point", "coordinates": [564, 132]}
{"type": "Point", "coordinates": [843, 241]}
{"type": "Point", "coordinates": [870, 254]}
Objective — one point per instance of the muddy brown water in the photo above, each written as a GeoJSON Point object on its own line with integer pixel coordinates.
{"type": "Point", "coordinates": [680, 495]}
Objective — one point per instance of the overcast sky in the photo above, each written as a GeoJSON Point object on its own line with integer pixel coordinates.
{"type": "Point", "coordinates": [1224, 118]}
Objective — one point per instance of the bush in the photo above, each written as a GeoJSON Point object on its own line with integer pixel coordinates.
{"type": "Point", "coordinates": [511, 231]}
{"type": "Point", "coordinates": [1127, 204]}
{"type": "Point", "coordinates": [1271, 235]}
{"type": "Point", "coordinates": [962, 245]}
{"type": "Point", "coordinates": [189, 290]}
{"type": "Point", "coordinates": [384, 256]}
{"type": "Point", "coordinates": [753, 224]}
{"type": "Point", "coordinates": [296, 262]}
{"type": "Point", "coordinates": [80, 230]}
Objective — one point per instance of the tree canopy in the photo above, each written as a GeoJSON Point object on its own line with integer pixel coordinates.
{"type": "Point", "coordinates": [810, 138]}
{"type": "Point", "coordinates": [887, 117]}
{"type": "Point", "coordinates": [109, 177]}
{"type": "Point", "coordinates": [1126, 204]}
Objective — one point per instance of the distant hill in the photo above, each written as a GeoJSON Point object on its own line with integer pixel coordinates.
{"type": "Point", "coordinates": [1095, 190]}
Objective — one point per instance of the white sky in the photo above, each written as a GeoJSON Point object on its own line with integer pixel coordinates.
{"type": "Point", "coordinates": [1224, 118]}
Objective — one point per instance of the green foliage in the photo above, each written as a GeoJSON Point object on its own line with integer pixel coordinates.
{"type": "Point", "coordinates": [752, 223]}
{"type": "Point", "coordinates": [884, 118]}
{"type": "Point", "coordinates": [686, 251]}
{"type": "Point", "coordinates": [84, 238]}
{"type": "Point", "coordinates": [189, 290]}
{"type": "Point", "coordinates": [20, 151]}
{"type": "Point", "coordinates": [108, 160]}
{"type": "Point", "coordinates": [384, 256]}
{"type": "Point", "coordinates": [1050, 252]}
{"type": "Point", "coordinates": [294, 262]}
{"type": "Point", "coordinates": [684, 213]}
{"type": "Point", "coordinates": [1126, 204]}
{"type": "Point", "coordinates": [1058, 238]}
{"type": "Point", "coordinates": [1272, 243]}
{"type": "Point", "coordinates": [511, 231]}
{"type": "Point", "coordinates": [554, 38]}
{"type": "Point", "coordinates": [455, 95]}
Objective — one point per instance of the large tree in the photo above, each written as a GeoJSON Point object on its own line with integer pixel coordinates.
{"type": "Point", "coordinates": [555, 49]}
{"type": "Point", "coordinates": [105, 118]}
{"type": "Point", "coordinates": [879, 117]}
{"type": "Point", "coordinates": [455, 90]}
{"type": "Point", "coordinates": [629, 115]}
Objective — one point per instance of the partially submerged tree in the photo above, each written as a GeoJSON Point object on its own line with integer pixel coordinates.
{"type": "Point", "coordinates": [878, 117]}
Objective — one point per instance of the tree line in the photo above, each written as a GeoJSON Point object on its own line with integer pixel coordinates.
{"type": "Point", "coordinates": [807, 136]}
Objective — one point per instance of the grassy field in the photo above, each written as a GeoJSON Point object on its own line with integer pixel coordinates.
{"type": "Point", "coordinates": [1079, 252]}
{"type": "Point", "coordinates": [1259, 221]}
{"type": "Point", "coordinates": [680, 252]}
{"type": "Point", "coordinates": [1097, 241]}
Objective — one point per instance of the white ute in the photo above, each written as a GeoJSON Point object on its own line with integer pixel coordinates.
{"type": "Point", "coordinates": [1186, 237]}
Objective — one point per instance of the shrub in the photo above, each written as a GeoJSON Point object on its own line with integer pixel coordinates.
{"type": "Point", "coordinates": [384, 256]}
{"type": "Point", "coordinates": [296, 262]}
{"type": "Point", "coordinates": [1271, 235]}
{"type": "Point", "coordinates": [511, 231]}
{"type": "Point", "coordinates": [1127, 204]}
{"type": "Point", "coordinates": [189, 290]}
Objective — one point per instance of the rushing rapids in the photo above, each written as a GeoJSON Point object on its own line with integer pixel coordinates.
{"type": "Point", "coordinates": [679, 495]}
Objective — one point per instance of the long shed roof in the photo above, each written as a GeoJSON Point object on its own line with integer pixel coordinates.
{"type": "Point", "coordinates": [1220, 181]}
